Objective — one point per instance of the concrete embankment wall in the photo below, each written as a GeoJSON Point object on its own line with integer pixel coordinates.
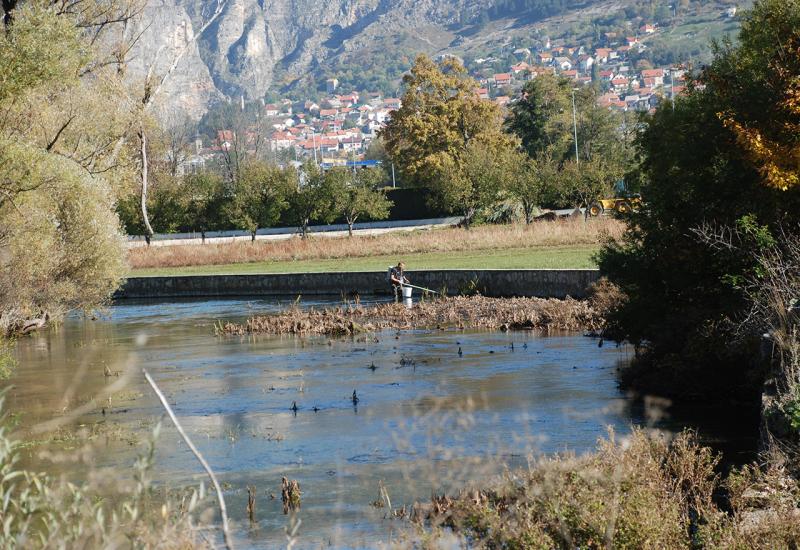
{"type": "Point", "coordinates": [544, 283]}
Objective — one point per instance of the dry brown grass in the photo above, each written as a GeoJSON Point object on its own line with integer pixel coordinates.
{"type": "Point", "coordinates": [637, 492]}
{"type": "Point", "coordinates": [565, 232]}
{"type": "Point", "coordinates": [458, 312]}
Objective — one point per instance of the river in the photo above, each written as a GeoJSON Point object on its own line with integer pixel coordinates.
{"type": "Point", "coordinates": [427, 417]}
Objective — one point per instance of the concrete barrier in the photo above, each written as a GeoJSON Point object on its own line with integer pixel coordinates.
{"type": "Point", "coordinates": [544, 283]}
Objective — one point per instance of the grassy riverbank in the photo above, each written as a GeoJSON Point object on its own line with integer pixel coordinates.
{"type": "Point", "coordinates": [563, 244]}
{"type": "Point", "coordinates": [556, 257]}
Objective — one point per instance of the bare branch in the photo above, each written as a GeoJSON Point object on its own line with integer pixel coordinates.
{"type": "Point", "coordinates": [55, 139]}
{"type": "Point", "coordinates": [222, 509]}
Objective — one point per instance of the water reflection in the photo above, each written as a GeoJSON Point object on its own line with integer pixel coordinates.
{"type": "Point", "coordinates": [426, 415]}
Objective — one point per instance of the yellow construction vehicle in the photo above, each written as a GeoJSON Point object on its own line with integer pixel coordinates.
{"type": "Point", "coordinates": [623, 203]}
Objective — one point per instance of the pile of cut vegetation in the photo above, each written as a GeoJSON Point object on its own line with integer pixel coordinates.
{"type": "Point", "coordinates": [475, 312]}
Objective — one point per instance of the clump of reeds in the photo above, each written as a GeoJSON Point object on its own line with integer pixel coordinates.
{"type": "Point", "coordinates": [290, 495]}
{"type": "Point", "coordinates": [567, 232]}
{"type": "Point", "coordinates": [634, 492]}
{"type": "Point", "coordinates": [476, 312]}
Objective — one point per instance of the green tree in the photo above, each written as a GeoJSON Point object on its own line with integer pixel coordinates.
{"type": "Point", "coordinates": [440, 116]}
{"type": "Point", "coordinates": [313, 199]}
{"type": "Point", "coordinates": [582, 184]}
{"type": "Point", "coordinates": [470, 182]}
{"type": "Point", "coordinates": [542, 116]}
{"type": "Point", "coordinates": [532, 181]}
{"type": "Point", "coordinates": [166, 206]}
{"type": "Point", "coordinates": [259, 197]}
{"type": "Point", "coordinates": [684, 299]}
{"type": "Point", "coordinates": [205, 201]}
{"type": "Point", "coordinates": [60, 114]}
{"type": "Point", "coordinates": [357, 195]}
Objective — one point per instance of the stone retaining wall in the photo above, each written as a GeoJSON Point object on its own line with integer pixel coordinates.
{"type": "Point", "coordinates": [544, 283]}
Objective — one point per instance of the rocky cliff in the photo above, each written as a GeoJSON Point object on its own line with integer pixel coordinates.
{"type": "Point", "coordinates": [253, 42]}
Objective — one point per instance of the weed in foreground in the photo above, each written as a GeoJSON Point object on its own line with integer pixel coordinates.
{"type": "Point", "coordinates": [40, 511]}
{"type": "Point", "coordinates": [635, 492]}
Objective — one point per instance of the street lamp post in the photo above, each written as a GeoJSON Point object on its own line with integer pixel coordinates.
{"type": "Point", "coordinates": [575, 126]}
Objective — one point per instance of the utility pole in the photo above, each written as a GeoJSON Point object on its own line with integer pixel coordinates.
{"type": "Point", "coordinates": [575, 126]}
{"type": "Point", "coordinates": [672, 87]}
{"type": "Point", "coordinates": [314, 144]}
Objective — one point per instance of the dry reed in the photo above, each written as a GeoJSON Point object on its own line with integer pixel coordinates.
{"type": "Point", "coordinates": [567, 232]}
{"type": "Point", "coordinates": [634, 492]}
{"type": "Point", "coordinates": [457, 312]}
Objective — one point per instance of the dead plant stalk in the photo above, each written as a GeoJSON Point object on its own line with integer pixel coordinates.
{"type": "Point", "coordinates": [220, 498]}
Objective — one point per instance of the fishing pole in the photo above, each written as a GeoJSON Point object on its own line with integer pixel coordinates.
{"type": "Point", "coordinates": [421, 288]}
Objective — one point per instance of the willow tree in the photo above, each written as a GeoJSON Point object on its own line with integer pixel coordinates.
{"type": "Point", "coordinates": [440, 122]}
{"type": "Point", "coordinates": [60, 116]}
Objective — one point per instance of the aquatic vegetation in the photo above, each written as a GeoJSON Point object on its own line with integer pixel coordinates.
{"type": "Point", "coordinates": [290, 495]}
{"type": "Point", "coordinates": [457, 313]}
{"type": "Point", "coordinates": [7, 361]}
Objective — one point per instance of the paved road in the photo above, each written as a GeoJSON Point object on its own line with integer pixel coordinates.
{"type": "Point", "coordinates": [283, 233]}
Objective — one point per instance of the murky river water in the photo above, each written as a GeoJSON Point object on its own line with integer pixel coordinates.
{"type": "Point", "coordinates": [425, 415]}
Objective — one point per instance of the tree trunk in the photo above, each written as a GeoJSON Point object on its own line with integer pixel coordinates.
{"type": "Point", "coordinates": [8, 7]}
{"type": "Point", "coordinates": [350, 228]}
{"type": "Point", "coordinates": [468, 218]}
{"type": "Point", "coordinates": [528, 209]}
{"type": "Point", "coordinates": [145, 217]}
{"type": "Point", "coordinates": [203, 236]}
{"type": "Point", "coordinates": [253, 235]}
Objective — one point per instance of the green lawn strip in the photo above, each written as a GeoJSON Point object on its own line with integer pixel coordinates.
{"type": "Point", "coordinates": [557, 257]}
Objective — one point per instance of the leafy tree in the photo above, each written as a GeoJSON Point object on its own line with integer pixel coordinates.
{"type": "Point", "coordinates": [543, 120]}
{"type": "Point", "coordinates": [542, 116]}
{"type": "Point", "coordinates": [766, 125]}
{"type": "Point", "coordinates": [582, 184]}
{"type": "Point", "coordinates": [357, 195]}
{"type": "Point", "coordinates": [259, 197]}
{"type": "Point", "coordinates": [205, 201]}
{"type": "Point", "coordinates": [60, 114]}
{"type": "Point", "coordinates": [439, 129]}
{"type": "Point", "coordinates": [439, 118]}
{"type": "Point", "coordinates": [531, 181]}
{"type": "Point", "coordinates": [166, 206]}
{"type": "Point", "coordinates": [470, 182]}
{"type": "Point", "coordinates": [313, 199]}
{"type": "Point", "coordinates": [683, 300]}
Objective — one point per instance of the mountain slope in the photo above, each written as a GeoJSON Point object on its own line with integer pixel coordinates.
{"type": "Point", "coordinates": [258, 47]}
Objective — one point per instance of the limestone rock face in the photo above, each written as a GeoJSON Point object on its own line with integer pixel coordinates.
{"type": "Point", "coordinates": [254, 44]}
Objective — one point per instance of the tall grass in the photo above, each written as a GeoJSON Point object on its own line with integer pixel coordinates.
{"type": "Point", "coordinates": [108, 511]}
{"type": "Point", "coordinates": [634, 492]}
{"type": "Point", "coordinates": [566, 232]}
